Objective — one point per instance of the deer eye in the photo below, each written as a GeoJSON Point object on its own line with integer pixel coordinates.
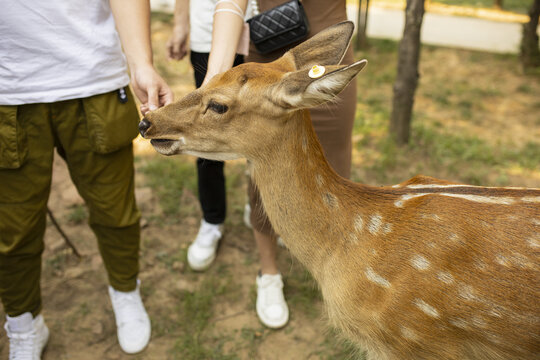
{"type": "Point", "coordinates": [217, 108]}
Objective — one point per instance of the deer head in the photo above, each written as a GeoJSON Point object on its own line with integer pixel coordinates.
{"type": "Point", "coordinates": [221, 120]}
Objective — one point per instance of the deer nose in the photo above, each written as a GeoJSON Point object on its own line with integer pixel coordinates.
{"type": "Point", "coordinates": [143, 126]}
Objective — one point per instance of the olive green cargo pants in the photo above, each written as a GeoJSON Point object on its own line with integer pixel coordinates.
{"type": "Point", "coordinates": [94, 137]}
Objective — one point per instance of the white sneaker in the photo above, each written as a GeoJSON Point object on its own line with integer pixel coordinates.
{"type": "Point", "coordinates": [132, 321]}
{"type": "Point", "coordinates": [271, 306]}
{"type": "Point", "coordinates": [27, 336]}
{"type": "Point", "coordinates": [202, 252]}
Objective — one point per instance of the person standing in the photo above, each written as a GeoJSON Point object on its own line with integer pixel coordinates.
{"type": "Point", "coordinates": [193, 24]}
{"type": "Point", "coordinates": [64, 84]}
{"type": "Point", "coordinates": [333, 123]}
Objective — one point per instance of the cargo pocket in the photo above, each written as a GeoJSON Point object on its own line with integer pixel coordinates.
{"type": "Point", "coordinates": [13, 141]}
{"type": "Point", "coordinates": [112, 120]}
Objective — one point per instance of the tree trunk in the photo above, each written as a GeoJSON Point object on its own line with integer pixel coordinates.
{"type": "Point", "coordinates": [499, 4]}
{"type": "Point", "coordinates": [361, 34]}
{"type": "Point", "coordinates": [407, 74]}
{"type": "Point", "coordinates": [530, 53]}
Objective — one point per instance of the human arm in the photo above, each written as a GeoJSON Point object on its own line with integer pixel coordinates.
{"type": "Point", "coordinates": [132, 19]}
{"type": "Point", "coordinates": [178, 42]}
{"type": "Point", "coordinates": [226, 32]}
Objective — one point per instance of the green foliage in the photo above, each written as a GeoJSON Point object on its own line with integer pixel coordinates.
{"type": "Point", "coordinates": [78, 214]}
{"type": "Point", "coordinates": [196, 309]}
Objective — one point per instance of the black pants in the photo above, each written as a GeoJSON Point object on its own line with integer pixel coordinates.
{"type": "Point", "coordinates": [211, 179]}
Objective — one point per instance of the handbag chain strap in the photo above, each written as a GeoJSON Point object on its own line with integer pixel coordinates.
{"type": "Point", "coordinates": [255, 6]}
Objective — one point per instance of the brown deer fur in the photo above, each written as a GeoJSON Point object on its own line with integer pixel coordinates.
{"type": "Point", "coordinates": [426, 269]}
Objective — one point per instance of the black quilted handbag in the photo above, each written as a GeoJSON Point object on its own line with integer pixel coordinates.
{"type": "Point", "coordinates": [278, 27]}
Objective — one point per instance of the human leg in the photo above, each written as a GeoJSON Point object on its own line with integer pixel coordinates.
{"type": "Point", "coordinates": [271, 306]}
{"type": "Point", "coordinates": [25, 189]}
{"type": "Point", "coordinates": [212, 193]}
{"type": "Point", "coordinates": [105, 181]}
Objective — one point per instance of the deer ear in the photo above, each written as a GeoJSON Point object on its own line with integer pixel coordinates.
{"type": "Point", "coordinates": [297, 90]}
{"type": "Point", "coordinates": [325, 48]}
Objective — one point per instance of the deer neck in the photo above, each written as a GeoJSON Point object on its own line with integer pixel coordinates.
{"type": "Point", "coordinates": [301, 193]}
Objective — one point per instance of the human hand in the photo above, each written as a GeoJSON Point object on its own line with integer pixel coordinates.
{"type": "Point", "coordinates": [150, 88]}
{"type": "Point", "coordinates": [178, 42]}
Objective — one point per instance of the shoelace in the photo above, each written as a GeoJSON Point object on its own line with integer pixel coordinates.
{"type": "Point", "coordinates": [128, 306]}
{"type": "Point", "coordinates": [21, 346]}
{"type": "Point", "coordinates": [207, 236]}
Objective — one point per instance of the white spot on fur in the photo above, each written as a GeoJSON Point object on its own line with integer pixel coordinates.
{"type": "Point", "coordinates": [358, 223]}
{"type": "Point", "coordinates": [330, 200]}
{"type": "Point", "coordinates": [376, 278]}
{"type": "Point", "coordinates": [531, 199]}
{"type": "Point", "coordinates": [426, 308]}
{"type": "Point", "coordinates": [419, 262]}
{"type": "Point", "coordinates": [454, 237]}
{"type": "Point", "coordinates": [443, 186]}
{"type": "Point", "coordinates": [435, 186]}
{"type": "Point", "coordinates": [396, 186]}
{"type": "Point", "coordinates": [479, 322]}
{"type": "Point", "coordinates": [403, 198]}
{"type": "Point", "coordinates": [496, 313]}
{"type": "Point", "coordinates": [458, 322]}
{"type": "Point", "coordinates": [375, 224]}
{"type": "Point", "coordinates": [466, 292]}
{"type": "Point", "coordinates": [408, 333]}
{"type": "Point", "coordinates": [502, 260]}
{"type": "Point", "coordinates": [387, 228]}
{"type": "Point", "coordinates": [319, 180]}
{"type": "Point", "coordinates": [433, 217]}
{"type": "Point", "coordinates": [534, 243]}
{"type": "Point", "coordinates": [536, 221]}
{"type": "Point", "coordinates": [373, 252]}
{"type": "Point", "coordinates": [521, 261]}
{"type": "Point", "coordinates": [483, 199]}
{"type": "Point", "coordinates": [445, 277]}
{"type": "Point", "coordinates": [182, 140]}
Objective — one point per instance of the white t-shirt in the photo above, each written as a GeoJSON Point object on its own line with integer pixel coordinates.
{"type": "Point", "coordinates": [58, 50]}
{"type": "Point", "coordinates": [201, 17]}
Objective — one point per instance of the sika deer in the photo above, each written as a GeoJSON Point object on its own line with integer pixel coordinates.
{"type": "Point", "coordinates": [426, 269]}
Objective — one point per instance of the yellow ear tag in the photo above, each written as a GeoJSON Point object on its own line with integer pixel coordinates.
{"type": "Point", "coordinates": [316, 71]}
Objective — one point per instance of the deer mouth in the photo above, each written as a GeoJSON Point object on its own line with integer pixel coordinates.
{"type": "Point", "coordinates": [166, 146]}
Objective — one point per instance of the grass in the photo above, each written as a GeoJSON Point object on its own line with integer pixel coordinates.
{"type": "Point", "coordinates": [77, 214]}
{"type": "Point", "coordinates": [197, 309]}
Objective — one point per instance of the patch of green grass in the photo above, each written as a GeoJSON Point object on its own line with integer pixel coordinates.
{"type": "Point", "coordinates": [196, 309]}
{"type": "Point", "coordinates": [528, 156]}
{"type": "Point", "coordinates": [524, 89]}
{"type": "Point", "coordinates": [465, 157]}
{"type": "Point", "coordinates": [77, 214]}
{"type": "Point", "coordinates": [169, 178]}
